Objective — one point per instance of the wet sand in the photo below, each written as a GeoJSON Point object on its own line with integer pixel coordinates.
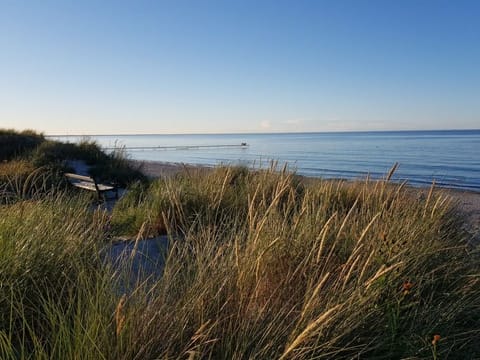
{"type": "Point", "coordinates": [468, 202]}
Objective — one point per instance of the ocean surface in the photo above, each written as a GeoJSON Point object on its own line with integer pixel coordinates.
{"type": "Point", "coordinates": [451, 158]}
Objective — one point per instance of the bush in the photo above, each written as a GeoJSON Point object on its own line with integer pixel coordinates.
{"type": "Point", "coordinates": [14, 144]}
{"type": "Point", "coordinates": [55, 152]}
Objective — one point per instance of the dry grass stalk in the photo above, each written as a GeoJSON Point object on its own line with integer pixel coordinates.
{"type": "Point", "coordinates": [309, 330]}
{"type": "Point", "coordinates": [120, 315]}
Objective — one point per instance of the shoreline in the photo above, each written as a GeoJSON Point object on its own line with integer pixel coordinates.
{"type": "Point", "coordinates": [467, 201]}
{"type": "Point", "coordinates": [159, 169]}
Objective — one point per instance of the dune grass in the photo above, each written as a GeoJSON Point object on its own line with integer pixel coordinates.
{"type": "Point", "coordinates": [262, 264]}
{"type": "Point", "coordinates": [104, 167]}
{"type": "Point", "coordinates": [270, 267]}
{"type": "Point", "coordinates": [17, 143]}
{"type": "Point", "coordinates": [49, 267]}
{"type": "Point", "coordinates": [21, 180]}
{"type": "Point", "coordinates": [27, 152]}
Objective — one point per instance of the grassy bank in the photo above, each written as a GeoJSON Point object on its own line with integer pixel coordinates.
{"type": "Point", "coordinates": [18, 143]}
{"type": "Point", "coordinates": [262, 264]}
{"type": "Point", "coordinates": [31, 164]}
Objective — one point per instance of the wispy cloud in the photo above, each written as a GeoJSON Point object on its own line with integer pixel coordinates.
{"type": "Point", "coordinates": [293, 122]}
{"type": "Point", "coordinates": [265, 124]}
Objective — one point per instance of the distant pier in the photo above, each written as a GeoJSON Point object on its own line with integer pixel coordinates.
{"type": "Point", "coordinates": [183, 147]}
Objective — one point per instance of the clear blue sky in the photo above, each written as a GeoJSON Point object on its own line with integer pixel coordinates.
{"type": "Point", "coordinates": [179, 66]}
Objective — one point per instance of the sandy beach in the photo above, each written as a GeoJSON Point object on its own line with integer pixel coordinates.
{"type": "Point", "coordinates": [156, 169]}
{"type": "Point", "coordinates": [468, 202]}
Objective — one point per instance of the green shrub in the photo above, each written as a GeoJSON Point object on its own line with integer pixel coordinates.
{"type": "Point", "coordinates": [55, 152]}
{"type": "Point", "coordinates": [14, 143]}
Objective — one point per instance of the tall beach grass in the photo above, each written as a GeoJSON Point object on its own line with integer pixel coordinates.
{"type": "Point", "coordinates": [271, 266]}
{"type": "Point", "coordinates": [261, 264]}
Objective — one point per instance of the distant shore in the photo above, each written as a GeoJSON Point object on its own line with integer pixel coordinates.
{"type": "Point", "coordinates": [468, 201]}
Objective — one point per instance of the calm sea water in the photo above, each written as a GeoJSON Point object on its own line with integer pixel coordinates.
{"type": "Point", "coordinates": [451, 158]}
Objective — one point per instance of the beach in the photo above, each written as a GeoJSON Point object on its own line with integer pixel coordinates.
{"type": "Point", "coordinates": [469, 204]}
{"type": "Point", "coordinates": [157, 169]}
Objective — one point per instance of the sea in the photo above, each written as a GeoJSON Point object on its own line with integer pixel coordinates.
{"type": "Point", "coordinates": [451, 158]}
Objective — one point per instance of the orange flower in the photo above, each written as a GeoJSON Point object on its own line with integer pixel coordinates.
{"type": "Point", "coordinates": [406, 287]}
{"type": "Point", "coordinates": [436, 339]}
{"type": "Point", "coordinates": [383, 236]}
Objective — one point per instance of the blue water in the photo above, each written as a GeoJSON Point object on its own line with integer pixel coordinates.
{"type": "Point", "coordinates": [451, 158]}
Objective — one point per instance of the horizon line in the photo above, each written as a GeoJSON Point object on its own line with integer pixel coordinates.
{"type": "Point", "coordinates": [267, 133]}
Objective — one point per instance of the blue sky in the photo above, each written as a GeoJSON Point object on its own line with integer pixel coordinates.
{"type": "Point", "coordinates": [93, 67]}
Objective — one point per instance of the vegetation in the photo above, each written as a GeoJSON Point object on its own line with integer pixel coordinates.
{"type": "Point", "coordinates": [105, 167]}
{"type": "Point", "coordinates": [20, 180]}
{"type": "Point", "coordinates": [261, 264]}
{"type": "Point", "coordinates": [14, 143]}
{"type": "Point", "coordinates": [27, 152]}
{"type": "Point", "coordinates": [48, 280]}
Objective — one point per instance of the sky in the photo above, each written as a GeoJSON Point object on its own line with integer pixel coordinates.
{"type": "Point", "coordinates": [128, 67]}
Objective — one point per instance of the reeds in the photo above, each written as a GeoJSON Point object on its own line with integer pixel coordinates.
{"type": "Point", "coordinates": [261, 264]}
